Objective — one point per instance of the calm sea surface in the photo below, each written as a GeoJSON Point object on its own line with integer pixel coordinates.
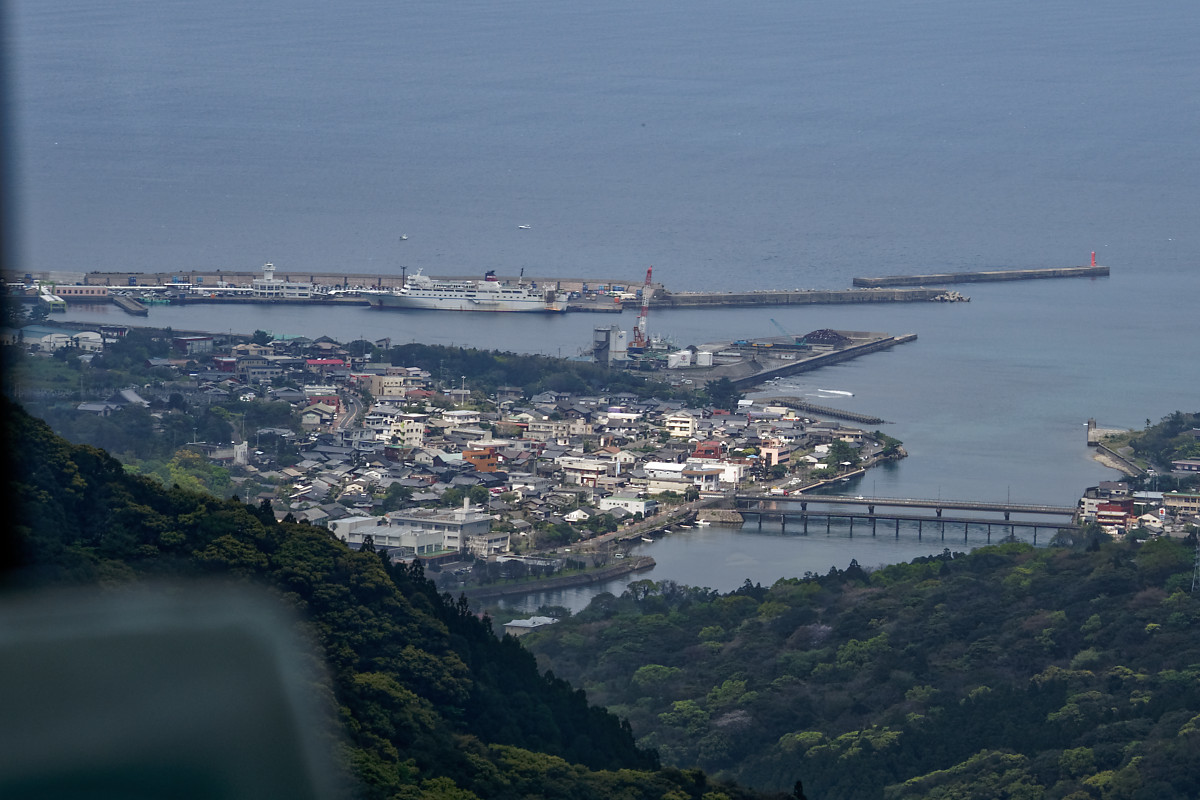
{"type": "Point", "coordinates": [771, 145]}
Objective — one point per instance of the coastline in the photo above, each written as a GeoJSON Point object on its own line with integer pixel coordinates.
{"type": "Point", "coordinates": [633, 564]}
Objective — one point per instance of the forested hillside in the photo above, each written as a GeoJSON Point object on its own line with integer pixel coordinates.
{"type": "Point", "coordinates": [1068, 672]}
{"type": "Point", "coordinates": [431, 702]}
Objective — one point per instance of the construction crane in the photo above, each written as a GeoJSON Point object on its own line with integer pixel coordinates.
{"type": "Point", "coordinates": [639, 333]}
{"type": "Point", "coordinates": [795, 339]}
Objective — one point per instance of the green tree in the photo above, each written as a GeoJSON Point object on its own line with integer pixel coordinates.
{"type": "Point", "coordinates": [722, 393]}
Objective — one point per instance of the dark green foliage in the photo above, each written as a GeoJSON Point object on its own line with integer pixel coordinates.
{"type": "Point", "coordinates": [1011, 671]}
{"type": "Point", "coordinates": [722, 393]}
{"type": "Point", "coordinates": [1169, 440]}
{"type": "Point", "coordinates": [490, 369]}
{"type": "Point", "coordinates": [433, 704]}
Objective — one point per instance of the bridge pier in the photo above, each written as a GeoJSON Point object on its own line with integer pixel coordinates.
{"type": "Point", "coordinates": [873, 520]}
{"type": "Point", "coordinates": [898, 529]}
{"type": "Point", "coordinates": [828, 522]}
{"type": "Point", "coordinates": [805, 519]}
{"type": "Point", "coordinates": [989, 533]}
{"type": "Point", "coordinates": [965, 524]}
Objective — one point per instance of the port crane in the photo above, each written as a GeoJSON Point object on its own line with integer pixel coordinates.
{"type": "Point", "coordinates": [795, 339]}
{"type": "Point", "coordinates": [639, 333]}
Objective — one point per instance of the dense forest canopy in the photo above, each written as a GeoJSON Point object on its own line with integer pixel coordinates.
{"type": "Point", "coordinates": [1062, 672]}
{"type": "Point", "coordinates": [432, 703]}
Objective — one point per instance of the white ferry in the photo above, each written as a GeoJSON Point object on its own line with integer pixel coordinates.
{"type": "Point", "coordinates": [489, 294]}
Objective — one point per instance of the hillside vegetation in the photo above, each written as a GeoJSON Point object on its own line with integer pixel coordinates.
{"type": "Point", "coordinates": [1068, 672]}
{"type": "Point", "coordinates": [431, 703]}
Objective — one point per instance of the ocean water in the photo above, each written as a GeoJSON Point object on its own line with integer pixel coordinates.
{"type": "Point", "coordinates": [773, 145]}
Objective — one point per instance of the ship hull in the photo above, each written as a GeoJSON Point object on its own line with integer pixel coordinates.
{"type": "Point", "coordinates": [468, 303]}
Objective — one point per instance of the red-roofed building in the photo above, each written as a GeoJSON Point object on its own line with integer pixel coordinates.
{"type": "Point", "coordinates": [331, 400]}
{"type": "Point", "coordinates": [324, 365]}
{"type": "Point", "coordinates": [709, 449]}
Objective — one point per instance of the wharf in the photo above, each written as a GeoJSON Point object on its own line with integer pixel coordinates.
{"type": "Point", "coordinates": [194, 299]}
{"type": "Point", "coordinates": [664, 299]}
{"type": "Point", "coordinates": [980, 277]}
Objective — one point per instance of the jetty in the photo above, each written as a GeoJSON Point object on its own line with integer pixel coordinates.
{"type": "Point", "coordinates": [131, 306]}
{"type": "Point", "coordinates": [792, 297]}
{"type": "Point", "coordinates": [981, 277]}
{"type": "Point", "coordinates": [824, 411]}
{"type": "Point", "coordinates": [769, 367]}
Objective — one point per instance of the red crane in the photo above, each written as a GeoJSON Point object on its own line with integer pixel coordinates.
{"type": "Point", "coordinates": [639, 333]}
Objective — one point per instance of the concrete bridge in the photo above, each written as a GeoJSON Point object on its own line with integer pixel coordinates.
{"type": "Point", "coordinates": [803, 501]}
{"type": "Point", "coordinates": [795, 511]}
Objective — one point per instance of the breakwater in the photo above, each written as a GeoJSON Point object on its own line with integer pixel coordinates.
{"type": "Point", "coordinates": [981, 277]}
{"type": "Point", "coordinates": [824, 411]}
{"type": "Point", "coordinates": [822, 360]}
{"type": "Point", "coordinates": [665, 299]}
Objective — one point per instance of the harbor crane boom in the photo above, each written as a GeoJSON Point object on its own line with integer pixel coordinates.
{"type": "Point", "coordinates": [639, 333]}
{"type": "Point", "coordinates": [794, 338]}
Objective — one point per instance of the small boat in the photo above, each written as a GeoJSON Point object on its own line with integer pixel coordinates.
{"type": "Point", "coordinates": [404, 237]}
{"type": "Point", "coordinates": [703, 523]}
{"type": "Point", "coordinates": [524, 227]}
{"type": "Point", "coordinates": [647, 539]}
{"type": "Point", "coordinates": [837, 391]}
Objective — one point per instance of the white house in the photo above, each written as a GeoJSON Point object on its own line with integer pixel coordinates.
{"type": "Point", "coordinates": [634, 505]}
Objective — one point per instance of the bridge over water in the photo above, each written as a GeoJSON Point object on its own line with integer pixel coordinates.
{"type": "Point", "coordinates": [797, 510]}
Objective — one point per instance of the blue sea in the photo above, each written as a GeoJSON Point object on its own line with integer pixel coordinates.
{"type": "Point", "coordinates": [775, 144]}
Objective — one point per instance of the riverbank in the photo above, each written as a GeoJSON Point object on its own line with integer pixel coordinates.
{"type": "Point", "coordinates": [574, 580]}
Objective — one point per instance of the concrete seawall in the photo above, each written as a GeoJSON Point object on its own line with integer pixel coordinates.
{"type": "Point", "coordinates": [823, 360]}
{"type": "Point", "coordinates": [635, 564]}
{"type": "Point", "coordinates": [664, 299]}
{"type": "Point", "coordinates": [800, 404]}
{"type": "Point", "coordinates": [980, 277]}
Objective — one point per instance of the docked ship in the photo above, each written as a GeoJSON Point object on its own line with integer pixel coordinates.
{"type": "Point", "coordinates": [489, 294]}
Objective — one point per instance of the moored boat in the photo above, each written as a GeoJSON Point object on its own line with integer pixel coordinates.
{"type": "Point", "coordinates": [489, 294]}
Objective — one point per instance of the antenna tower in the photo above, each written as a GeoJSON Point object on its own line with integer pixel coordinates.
{"type": "Point", "coordinates": [1196, 568]}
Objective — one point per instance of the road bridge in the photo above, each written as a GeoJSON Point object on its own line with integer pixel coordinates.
{"type": "Point", "coordinates": [798, 521]}
{"type": "Point", "coordinates": [801, 502]}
